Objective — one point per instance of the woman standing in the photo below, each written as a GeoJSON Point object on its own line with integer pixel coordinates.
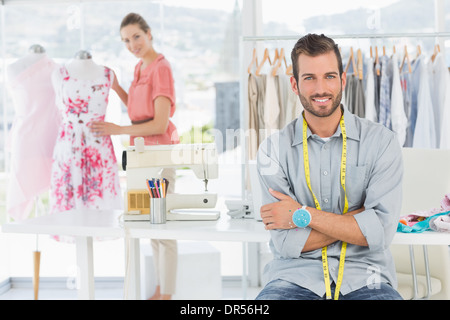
{"type": "Point", "coordinates": [150, 102]}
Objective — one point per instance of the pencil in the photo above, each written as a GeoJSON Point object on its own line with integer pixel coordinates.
{"type": "Point", "coordinates": [149, 190]}
{"type": "Point", "coordinates": [156, 187]}
{"type": "Point", "coordinates": [160, 188]}
{"type": "Point", "coordinates": [167, 185]}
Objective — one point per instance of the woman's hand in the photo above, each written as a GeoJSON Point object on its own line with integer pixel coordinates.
{"type": "Point", "coordinates": [102, 128]}
{"type": "Point", "coordinates": [278, 215]}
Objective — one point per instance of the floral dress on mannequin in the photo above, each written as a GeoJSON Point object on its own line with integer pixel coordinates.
{"type": "Point", "coordinates": [85, 169]}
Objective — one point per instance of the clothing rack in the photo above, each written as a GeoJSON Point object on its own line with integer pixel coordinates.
{"type": "Point", "coordinates": [246, 39]}
{"type": "Point", "coordinates": [354, 36]}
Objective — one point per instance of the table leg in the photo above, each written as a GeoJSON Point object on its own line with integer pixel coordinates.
{"type": "Point", "coordinates": [37, 263]}
{"type": "Point", "coordinates": [132, 286]}
{"type": "Point", "coordinates": [85, 262]}
{"type": "Point", "coordinates": [427, 272]}
{"type": "Point", "coordinates": [244, 270]}
{"type": "Point", "coordinates": [413, 271]}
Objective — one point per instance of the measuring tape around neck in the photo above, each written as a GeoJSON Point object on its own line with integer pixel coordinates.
{"type": "Point", "coordinates": [326, 273]}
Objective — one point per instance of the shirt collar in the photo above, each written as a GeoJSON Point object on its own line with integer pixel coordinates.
{"type": "Point", "coordinates": [350, 126]}
{"type": "Point", "coordinates": [138, 65]}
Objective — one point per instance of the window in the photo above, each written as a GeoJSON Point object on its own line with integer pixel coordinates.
{"type": "Point", "coordinates": [201, 41]}
{"type": "Point", "coordinates": [363, 17]}
{"type": "Point", "coordinates": [201, 44]}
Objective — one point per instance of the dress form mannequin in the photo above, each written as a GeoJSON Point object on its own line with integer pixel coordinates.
{"type": "Point", "coordinates": [84, 170]}
{"type": "Point", "coordinates": [34, 130]}
{"type": "Point", "coordinates": [83, 67]}
{"type": "Point", "coordinates": [33, 136]}
{"type": "Point", "coordinates": [35, 53]}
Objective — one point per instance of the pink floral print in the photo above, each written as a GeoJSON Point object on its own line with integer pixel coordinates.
{"type": "Point", "coordinates": [85, 170]}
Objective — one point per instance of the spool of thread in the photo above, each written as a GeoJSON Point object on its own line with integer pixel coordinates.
{"type": "Point", "coordinates": [139, 144]}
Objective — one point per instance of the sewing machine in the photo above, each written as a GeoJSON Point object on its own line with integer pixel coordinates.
{"type": "Point", "coordinates": [146, 162]}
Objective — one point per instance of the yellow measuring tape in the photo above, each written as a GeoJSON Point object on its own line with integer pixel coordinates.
{"type": "Point", "coordinates": [326, 273]}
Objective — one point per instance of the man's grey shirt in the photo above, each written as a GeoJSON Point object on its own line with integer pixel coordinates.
{"type": "Point", "coordinates": [373, 179]}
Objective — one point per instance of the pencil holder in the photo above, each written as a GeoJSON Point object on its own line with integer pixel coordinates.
{"type": "Point", "coordinates": [157, 210]}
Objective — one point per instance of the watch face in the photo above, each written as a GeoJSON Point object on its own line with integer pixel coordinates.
{"type": "Point", "coordinates": [301, 218]}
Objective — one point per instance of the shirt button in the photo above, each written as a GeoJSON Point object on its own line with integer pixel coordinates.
{"type": "Point", "coordinates": [325, 173]}
{"type": "Point", "coordinates": [325, 200]}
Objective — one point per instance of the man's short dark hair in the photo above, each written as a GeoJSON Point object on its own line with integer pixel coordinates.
{"type": "Point", "coordinates": [314, 45]}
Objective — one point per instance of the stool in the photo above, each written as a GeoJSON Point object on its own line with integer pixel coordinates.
{"type": "Point", "coordinates": [198, 272]}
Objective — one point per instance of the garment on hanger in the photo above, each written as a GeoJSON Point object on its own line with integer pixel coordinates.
{"type": "Point", "coordinates": [282, 85]}
{"type": "Point", "coordinates": [406, 81]}
{"type": "Point", "coordinates": [272, 103]}
{"type": "Point", "coordinates": [253, 121]}
{"type": "Point", "coordinates": [33, 133]}
{"type": "Point", "coordinates": [359, 99]}
{"type": "Point", "coordinates": [293, 106]}
{"type": "Point", "coordinates": [424, 131]}
{"type": "Point", "coordinates": [85, 171]}
{"type": "Point", "coordinates": [262, 79]}
{"type": "Point", "coordinates": [415, 85]}
{"type": "Point", "coordinates": [385, 93]}
{"type": "Point", "coordinates": [260, 87]}
{"type": "Point", "coordinates": [271, 106]}
{"type": "Point", "coordinates": [399, 121]}
{"type": "Point", "coordinates": [354, 97]}
{"type": "Point", "coordinates": [369, 94]}
{"type": "Point", "coordinates": [348, 93]}
{"type": "Point", "coordinates": [377, 83]}
{"type": "Point", "coordinates": [440, 80]}
{"type": "Point", "coordinates": [445, 129]}
{"type": "Point", "coordinates": [397, 99]}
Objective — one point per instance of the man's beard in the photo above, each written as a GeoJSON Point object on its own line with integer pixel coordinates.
{"type": "Point", "coordinates": [322, 113]}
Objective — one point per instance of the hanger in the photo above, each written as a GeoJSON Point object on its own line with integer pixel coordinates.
{"type": "Point", "coordinates": [276, 57]}
{"type": "Point", "coordinates": [419, 51]}
{"type": "Point", "coordinates": [289, 71]}
{"type": "Point", "coordinates": [253, 62]}
{"type": "Point", "coordinates": [360, 64]}
{"type": "Point", "coordinates": [408, 60]}
{"type": "Point", "coordinates": [265, 58]}
{"type": "Point", "coordinates": [377, 61]}
{"type": "Point", "coordinates": [406, 57]}
{"type": "Point", "coordinates": [351, 59]}
{"type": "Point", "coordinates": [281, 58]}
{"type": "Point", "coordinates": [436, 50]}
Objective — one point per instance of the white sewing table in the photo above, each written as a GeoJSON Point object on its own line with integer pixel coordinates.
{"type": "Point", "coordinates": [85, 225]}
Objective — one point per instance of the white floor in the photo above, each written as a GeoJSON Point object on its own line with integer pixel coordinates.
{"type": "Point", "coordinates": [230, 291]}
{"type": "Point", "coordinates": [58, 261]}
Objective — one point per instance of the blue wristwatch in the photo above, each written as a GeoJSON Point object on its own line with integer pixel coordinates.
{"type": "Point", "coordinates": [301, 217]}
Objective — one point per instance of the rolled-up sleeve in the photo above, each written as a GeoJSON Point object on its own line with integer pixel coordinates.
{"type": "Point", "coordinates": [378, 222]}
{"type": "Point", "coordinates": [287, 243]}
